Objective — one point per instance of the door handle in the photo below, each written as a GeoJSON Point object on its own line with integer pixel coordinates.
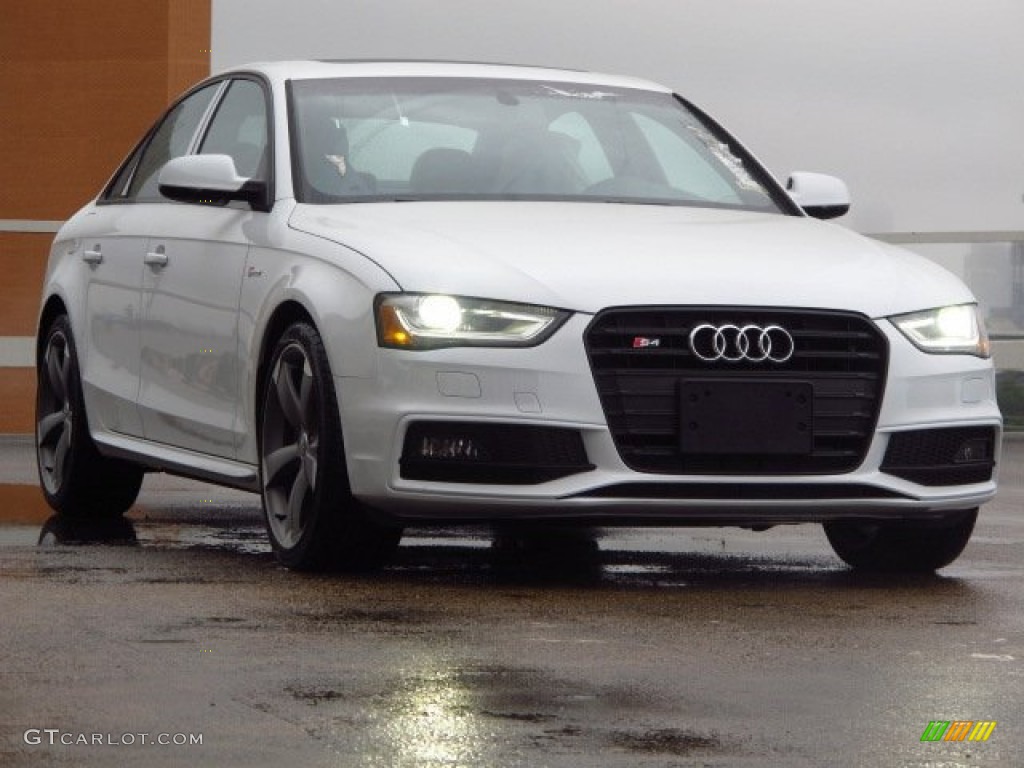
{"type": "Point", "coordinates": [156, 258]}
{"type": "Point", "coordinates": [93, 256]}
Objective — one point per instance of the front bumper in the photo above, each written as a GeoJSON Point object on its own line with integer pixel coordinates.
{"type": "Point", "coordinates": [552, 385]}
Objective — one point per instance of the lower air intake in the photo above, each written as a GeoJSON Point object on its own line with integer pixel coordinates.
{"type": "Point", "coordinates": [933, 457]}
{"type": "Point", "coordinates": [498, 454]}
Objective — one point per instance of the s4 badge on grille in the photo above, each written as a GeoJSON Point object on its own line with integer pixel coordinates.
{"type": "Point", "coordinates": [642, 342]}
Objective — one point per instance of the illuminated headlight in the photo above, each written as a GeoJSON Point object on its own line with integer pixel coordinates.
{"type": "Point", "coordinates": [429, 321]}
{"type": "Point", "coordinates": [946, 330]}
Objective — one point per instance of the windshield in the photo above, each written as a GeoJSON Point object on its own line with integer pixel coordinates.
{"type": "Point", "coordinates": [386, 139]}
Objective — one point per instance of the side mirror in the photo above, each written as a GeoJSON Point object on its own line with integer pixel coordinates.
{"type": "Point", "coordinates": [210, 180]}
{"type": "Point", "coordinates": [820, 196]}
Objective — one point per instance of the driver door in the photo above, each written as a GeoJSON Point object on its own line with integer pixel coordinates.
{"type": "Point", "coordinates": [190, 367]}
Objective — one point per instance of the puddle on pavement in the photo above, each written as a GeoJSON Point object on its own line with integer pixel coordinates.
{"type": "Point", "coordinates": [670, 559]}
{"type": "Point", "coordinates": [245, 539]}
{"type": "Point", "coordinates": [429, 712]}
{"type": "Point", "coordinates": [19, 535]}
{"type": "Point", "coordinates": [443, 555]}
{"type": "Point", "coordinates": [668, 741]}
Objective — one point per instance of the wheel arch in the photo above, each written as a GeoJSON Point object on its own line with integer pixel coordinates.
{"type": "Point", "coordinates": [285, 314]}
{"type": "Point", "coordinates": [312, 284]}
{"type": "Point", "coordinates": [52, 309]}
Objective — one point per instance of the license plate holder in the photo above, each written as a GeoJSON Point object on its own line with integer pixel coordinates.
{"type": "Point", "coordinates": [722, 416]}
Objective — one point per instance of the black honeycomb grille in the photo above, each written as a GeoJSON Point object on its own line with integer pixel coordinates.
{"type": "Point", "coordinates": [932, 456]}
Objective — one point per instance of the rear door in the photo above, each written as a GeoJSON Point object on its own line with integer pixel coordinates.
{"type": "Point", "coordinates": [120, 227]}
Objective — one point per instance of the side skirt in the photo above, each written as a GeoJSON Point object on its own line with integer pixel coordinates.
{"type": "Point", "coordinates": [175, 461]}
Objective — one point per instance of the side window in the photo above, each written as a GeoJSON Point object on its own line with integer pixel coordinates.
{"type": "Point", "coordinates": [170, 140]}
{"type": "Point", "coordinates": [116, 189]}
{"type": "Point", "coordinates": [239, 129]}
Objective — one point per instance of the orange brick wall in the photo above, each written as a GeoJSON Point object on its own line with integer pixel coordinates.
{"type": "Point", "coordinates": [80, 81]}
{"type": "Point", "coordinates": [17, 400]}
{"type": "Point", "coordinates": [22, 263]}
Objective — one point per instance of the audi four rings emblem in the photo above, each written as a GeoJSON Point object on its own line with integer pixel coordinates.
{"type": "Point", "coordinates": [736, 343]}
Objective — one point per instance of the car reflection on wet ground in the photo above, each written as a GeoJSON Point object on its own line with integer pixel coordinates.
{"type": "Point", "coordinates": [631, 647]}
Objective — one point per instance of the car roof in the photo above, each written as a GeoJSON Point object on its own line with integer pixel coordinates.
{"type": "Point", "coordinates": [280, 71]}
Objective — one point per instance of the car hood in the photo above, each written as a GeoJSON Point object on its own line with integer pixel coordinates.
{"type": "Point", "coordinates": [586, 256]}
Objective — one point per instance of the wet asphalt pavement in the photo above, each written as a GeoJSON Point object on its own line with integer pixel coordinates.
{"type": "Point", "coordinates": [632, 647]}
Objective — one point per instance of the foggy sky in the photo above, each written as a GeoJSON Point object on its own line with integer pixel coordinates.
{"type": "Point", "coordinates": [919, 106]}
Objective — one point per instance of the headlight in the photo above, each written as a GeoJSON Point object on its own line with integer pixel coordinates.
{"type": "Point", "coordinates": [956, 330]}
{"type": "Point", "coordinates": [429, 321]}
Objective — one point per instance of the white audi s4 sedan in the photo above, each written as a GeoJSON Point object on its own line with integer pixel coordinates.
{"type": "Point", "coordinates": [386, 293]}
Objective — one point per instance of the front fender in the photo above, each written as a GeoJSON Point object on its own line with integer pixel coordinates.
{"type": "Point", "coordinates": [333, 285]}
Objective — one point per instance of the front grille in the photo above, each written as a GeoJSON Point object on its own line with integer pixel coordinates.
{"type": "Point", "coordinates": [642, 363]}
{"type": "Point", "coordinates": [937, 457]}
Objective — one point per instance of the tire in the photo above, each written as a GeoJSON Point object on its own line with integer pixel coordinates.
{"type": "Point", "coordinates": [902, 547]}
{"type": "Point", "coordinates": [75, 478]}
{"type": "Point", "coordinates": [313, 521]}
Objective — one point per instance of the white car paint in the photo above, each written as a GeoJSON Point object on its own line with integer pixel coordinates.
{"type": "Point", "coordinates": [617, 255]}
{"type": "Point", "coordinates": [173, 321]}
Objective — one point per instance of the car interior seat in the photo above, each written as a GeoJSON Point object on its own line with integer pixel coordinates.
{"type": "Point", "coordinates": [443, 170]}
{"type": "Point", "coordinates": [327, 165]}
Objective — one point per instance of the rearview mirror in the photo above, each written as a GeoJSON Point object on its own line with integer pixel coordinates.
{"type": "Point", "coordinates": [210, 180]}
{"type": "Point", "coordinates": [820, 196]}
